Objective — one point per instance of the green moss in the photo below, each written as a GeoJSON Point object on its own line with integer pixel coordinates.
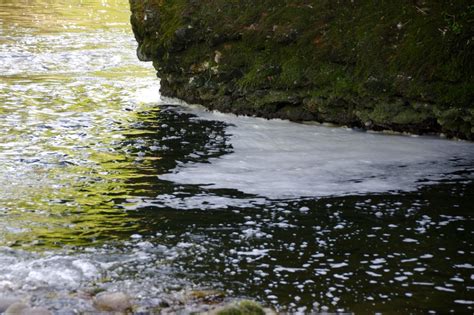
{"type": "Point", "coordinates": [397, 113]}
{"type": "Point", "coordinates": [244, 307]}
{"type": "Point", "coordinates": [457, 121]}
{"type": "Point", "coordinates": [171, 12]}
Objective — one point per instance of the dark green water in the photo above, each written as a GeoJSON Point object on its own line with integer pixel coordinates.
{"type": "Point", "coordinates": [85, 137]}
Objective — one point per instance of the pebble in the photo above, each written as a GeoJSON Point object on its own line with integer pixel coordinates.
{"type": "Point", "coordinates": [19, 308]}
{"type": "Point", "coordinates": [5, 303]}
{"type": "Point", "coordinates": [112, 302]}
{"type": "Point", "coordinates": [39, 311]}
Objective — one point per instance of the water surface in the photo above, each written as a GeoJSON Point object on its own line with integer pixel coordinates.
{"type": "Point", "coordinates": [106, 186]}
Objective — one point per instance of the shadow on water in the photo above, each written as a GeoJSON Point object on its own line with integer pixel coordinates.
{"type": "Point", "coordinates": [409, 252]}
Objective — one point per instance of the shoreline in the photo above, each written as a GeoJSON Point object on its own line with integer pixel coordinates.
{"type": "Point", "coordinates": [176, 101]}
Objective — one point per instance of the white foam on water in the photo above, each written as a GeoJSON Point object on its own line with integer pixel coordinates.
{"type": "Point", "coordinates": [465, 302]}
{"type": "Point", "coordinates": [281, 159]}
{"type": "Point", "coordinates": [198, 201]}
{"type": "Point", "coordinates": [149, 93]}
{"type": "Point", "coordinates": [28, 273]}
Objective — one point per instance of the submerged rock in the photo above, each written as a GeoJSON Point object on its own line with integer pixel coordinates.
{"type": "Point", "coordinates": [113, 302]}
{"type": "Point", "coordinates": [383, 67]}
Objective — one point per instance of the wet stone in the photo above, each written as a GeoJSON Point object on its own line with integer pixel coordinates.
{"type": "Point", "coordinates": [39, 311]}
{"type": "Point", "coordinates": [207, 296]}
{"type": "Point", "coordinates": [244, 307]}
{"type": "Point", "coordinates": [113, 302]}
{"type": "Point", "coordinates": [5, 303]}
{"type": "Point", "coordinates": [19, 308]}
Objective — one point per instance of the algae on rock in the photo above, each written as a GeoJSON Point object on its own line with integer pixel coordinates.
{"type": "Point", "coordinates": [399, 65]}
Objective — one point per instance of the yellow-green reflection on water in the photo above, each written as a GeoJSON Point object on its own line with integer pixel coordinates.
{"type": "Point", "coordinates": [69, 97]}
{"type": "Point", "coordinates": [56, 16]}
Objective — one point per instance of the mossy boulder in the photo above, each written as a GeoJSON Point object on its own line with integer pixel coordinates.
{"type": "Point", "coordinates": [244, 307]}
{"type": "Point", "coordinates": [400, 65]}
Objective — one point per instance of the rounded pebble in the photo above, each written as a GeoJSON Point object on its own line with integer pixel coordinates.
{"type": "Point", "coordinates": [5, 303]}
{"type": "Point", "coordinates": [23, 309]}
{"type": "Point", "coordinates": [17, 308]}
{"type": "Point", "coordinates": [112, 302]}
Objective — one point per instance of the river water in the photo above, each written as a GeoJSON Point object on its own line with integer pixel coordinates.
{"type": "Point", "coordinates": [106, 186]}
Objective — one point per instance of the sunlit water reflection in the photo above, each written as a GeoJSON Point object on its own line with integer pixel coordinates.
{"type": "Point", "coordinates": [106, 187]}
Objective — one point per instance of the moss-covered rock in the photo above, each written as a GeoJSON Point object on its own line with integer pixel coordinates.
{"type": "Point", "coordinates": [400, 65]}
{"type": "Point", "coordinates": [244, 307]}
